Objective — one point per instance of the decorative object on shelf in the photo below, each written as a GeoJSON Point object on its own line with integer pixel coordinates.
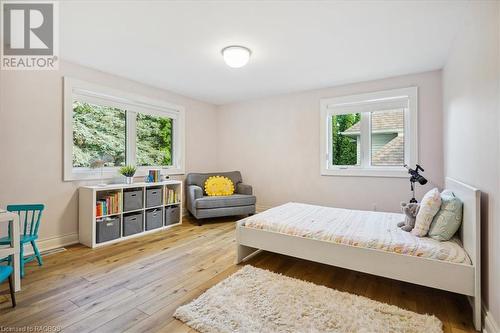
{"type": "Point", "coordinates": [153, 176]}
{"type": "Point", "coordinates": [101, 163]}
{"type": "Point", "coordinates": [219, 186]}
{"type": "Point", "coordinates": [415, 177]}
{"type": "Point", "coordinates": [128, 171]}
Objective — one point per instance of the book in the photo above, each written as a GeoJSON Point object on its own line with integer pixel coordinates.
{"type": "Point", "coordinates": [154, 176]}
{"type": "Point", "coordinates": [171, 196]}
{"type": "Point", "coordinates": [109, 204]}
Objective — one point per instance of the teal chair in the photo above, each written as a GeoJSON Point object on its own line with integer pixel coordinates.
{"type": "Point", "coordinates": [29, 218]}
{"type": "Point", "coordinates": [6, 272]}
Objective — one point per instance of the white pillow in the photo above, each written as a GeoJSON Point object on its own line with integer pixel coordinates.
{"type": "Point", "coordinates": [431, 202]}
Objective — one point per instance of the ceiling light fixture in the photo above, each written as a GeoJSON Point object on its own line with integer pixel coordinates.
{"type": "Point", "coordinates": [236, 56]}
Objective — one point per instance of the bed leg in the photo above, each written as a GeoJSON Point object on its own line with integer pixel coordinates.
{"type": "Point", "coordinates": [476, 313]}
{"type": "Point", "coordinates": [242, 252]}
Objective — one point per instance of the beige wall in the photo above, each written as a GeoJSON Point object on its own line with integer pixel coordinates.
{"type": "Point", "coordinates": [275, 143]}
{"type": "Point", "coordinates": [31, 140]}
{"type": "Point", "coordinates": [471, 125]}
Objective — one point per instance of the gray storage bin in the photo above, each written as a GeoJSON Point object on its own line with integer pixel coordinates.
{"type": "Point", "coordinates": [107, 229]}
{"type": "Point", "coordinates": [172, 214]}
{"type": "Point", "coordinates": [132, 224]}
{"type": "Point", "coordinates": [132, 200]}
{"type": "Point", "coordinates": [154, 219]}
{"type": "Point", "coordinates": [153, 197]}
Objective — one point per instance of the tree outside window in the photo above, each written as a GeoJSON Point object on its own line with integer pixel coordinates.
{"type": "Point", "coordinates": [154, 140]}
{"type": "Point", "coordinates": [98, 133]}
{"type": "Point", "coordinates": [345, 149]}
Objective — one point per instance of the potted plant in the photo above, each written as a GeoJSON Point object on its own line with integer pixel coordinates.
{"type": "Point", "coordinates": [128, 171]}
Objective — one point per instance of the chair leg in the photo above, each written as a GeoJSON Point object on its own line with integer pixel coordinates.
{"type": "Point", "coordinates": [37, 253]}
{"type": "Point", "coordinates": [21, 256]}
{"type": "Point", "coordinates": [12, 293]}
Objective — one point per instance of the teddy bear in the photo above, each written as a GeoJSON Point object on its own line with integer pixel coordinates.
{"type": "Point", "coordinates": [410, 210]}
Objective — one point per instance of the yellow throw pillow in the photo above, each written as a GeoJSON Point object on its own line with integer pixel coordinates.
{"type": "Point", "coordinates": [219, 186]}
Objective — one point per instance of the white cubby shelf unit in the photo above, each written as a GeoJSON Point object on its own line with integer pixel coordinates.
{"type": "Point", "coordinates": [89, 220]}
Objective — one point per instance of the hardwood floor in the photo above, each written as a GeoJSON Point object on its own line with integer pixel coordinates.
{"type": "Point", "coordinates": [135, 286]}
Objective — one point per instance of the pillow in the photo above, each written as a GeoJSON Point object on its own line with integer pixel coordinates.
{"type": "Point", "coordinates": [219, 186]}
{"type": "Point", "coordinates": [449, 218]}
{"type": "Point", "coordinates": [431, 202]}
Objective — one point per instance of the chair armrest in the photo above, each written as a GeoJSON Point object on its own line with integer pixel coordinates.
{"type": "Point", "coordinates": [244, 189]}
{"type": "Point", "coordinates": [194, 192]}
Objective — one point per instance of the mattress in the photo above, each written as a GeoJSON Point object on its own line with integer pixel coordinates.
{"type": "Point", "coordinates": [373, 230]}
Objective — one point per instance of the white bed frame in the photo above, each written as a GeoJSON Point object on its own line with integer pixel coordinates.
{"type": "Point", "coordinates": [459, 278]}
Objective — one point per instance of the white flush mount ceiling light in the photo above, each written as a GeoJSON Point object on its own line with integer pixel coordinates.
{"type": "Point", "coordinates": [236, 56]}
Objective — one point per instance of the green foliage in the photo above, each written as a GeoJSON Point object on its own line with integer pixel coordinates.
{"type": "Point", "coordinates": [344, 150]}
{"type": "Point", "coordinates": [98, 131]}
{"type": "Point", "coordinates": [128, 170]}
{"type": "Point", "coordinates": [154, 140]}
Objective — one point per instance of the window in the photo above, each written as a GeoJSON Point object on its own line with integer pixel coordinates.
{"type": "Point", "coordinates": [372, 134]}
{"type": "Point", "coordinates": [345, 145]}
{"type": "Point", "coordinates": [387, 138]}
{"type": "Point", "coordinates": [154, 140]}
{"type": "Point", "coordinates": [112, 128]}
{"type": "Point", "coordinates": [98, 133]}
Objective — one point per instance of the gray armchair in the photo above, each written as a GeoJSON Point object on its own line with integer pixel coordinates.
{"type": "Point", "coordinates": [242, 202]}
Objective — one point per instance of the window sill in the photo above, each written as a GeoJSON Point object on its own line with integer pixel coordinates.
{"type": "Point", "coordinates": [114, 175]}
{"type": "Point", "coordinates": [144, 171]}
{"type": "Point", "coordinates": [359, 172]}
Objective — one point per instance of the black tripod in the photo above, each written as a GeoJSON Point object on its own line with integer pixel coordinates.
{"type": "Point", "coordinates": [415, 177]}
{"type": "Point", "coordinates": [412, 186]}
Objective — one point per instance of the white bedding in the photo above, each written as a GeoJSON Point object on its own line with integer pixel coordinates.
{"type": "Point", "coordinates": [374, 230]}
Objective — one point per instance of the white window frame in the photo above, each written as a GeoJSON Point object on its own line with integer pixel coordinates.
{"type": "Point", "coordinates": [75, 89]}
{"type": "Point", "coordinates": [364, 103]}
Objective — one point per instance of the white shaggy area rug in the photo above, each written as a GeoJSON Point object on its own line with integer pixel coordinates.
{"type": "Point", "coordinates": [256, 300]}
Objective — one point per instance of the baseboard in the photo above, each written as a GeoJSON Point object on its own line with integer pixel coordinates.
{"type": "Point", "coordinates": [261, 208]}
{"type": "Point", "coordinates": [61, 241]}
{"type": "Point", "coordinates": [53, 243]}
{"type": "Point", "coordinates": [489, 323]}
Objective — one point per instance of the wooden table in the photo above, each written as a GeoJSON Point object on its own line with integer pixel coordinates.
{"type": "Point", "coordinates": [15, 244]}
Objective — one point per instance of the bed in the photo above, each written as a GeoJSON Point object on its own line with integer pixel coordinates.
{"type": "Point", "coordinates": [370, 242]}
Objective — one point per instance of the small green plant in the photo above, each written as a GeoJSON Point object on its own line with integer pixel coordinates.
{"type": "Point", "coordinates": [128, 170]}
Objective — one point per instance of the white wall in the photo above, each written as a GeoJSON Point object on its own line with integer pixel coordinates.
{"type": "Point", "coordinates": [275, 143]}
{"type": "Point", "coordinates": [471, 125]}
{"type": "Point", "coordinates": [31, 140]}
